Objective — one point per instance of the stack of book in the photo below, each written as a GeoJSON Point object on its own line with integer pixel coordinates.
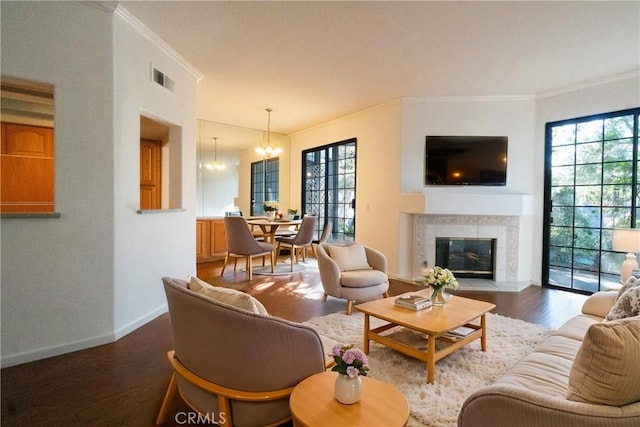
{"type": "Point", "coordinates": [413, 302]}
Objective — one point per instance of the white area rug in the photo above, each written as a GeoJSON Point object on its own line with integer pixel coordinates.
{"type": "Point", "coordinates": [456, 376]}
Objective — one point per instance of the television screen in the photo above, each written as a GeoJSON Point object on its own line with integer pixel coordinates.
{"type": "Point", "coordinates": [465, 160]}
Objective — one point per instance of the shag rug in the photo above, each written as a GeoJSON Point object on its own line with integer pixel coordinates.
{"type": "Point", "coordinates": [456, 376]}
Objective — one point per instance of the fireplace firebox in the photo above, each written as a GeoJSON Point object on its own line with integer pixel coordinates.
{"type": "Point", "coordinates": [467, 257]}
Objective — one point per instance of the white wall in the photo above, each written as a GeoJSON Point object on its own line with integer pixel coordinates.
{"type": "Point", "coordinates": [613, 94]}
{"type": "Point", "coordinates": [505, 116]}
{"type": "Point", "coordinates": [93, 274]}
{"type": "Point", "coordinates": [216, 189]}
{"type": "Point", "coordinates": [58, 273]}
{"type": "Point", "coordinates": [391, 161]}
{"type": "Point", "coordinates": [378, 165]}
{"type": "Point", "coordinates": [153, 245]}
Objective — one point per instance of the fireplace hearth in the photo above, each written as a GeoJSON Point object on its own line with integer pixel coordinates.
{"type": "Point", "coordinates": [467, 257]}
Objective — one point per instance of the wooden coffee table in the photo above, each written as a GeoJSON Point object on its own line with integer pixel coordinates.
{"type": "Point", "coordinates": [435, 322]}
{"type": "Point", "coordinates": [313, 404]}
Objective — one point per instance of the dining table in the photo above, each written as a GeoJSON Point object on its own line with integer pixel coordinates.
{"type": "Point", "coordinates": [270, 227]}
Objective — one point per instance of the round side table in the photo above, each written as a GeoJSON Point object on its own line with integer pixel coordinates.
{"type": "Point", "coordinates": [313, 404]}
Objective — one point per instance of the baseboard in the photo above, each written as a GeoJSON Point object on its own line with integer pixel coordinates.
{"type": "Point", "coordinates": [44, 353]}
{"type": "Point", "coordinates": [141, 321]}
{"type": "Point", "coordinates": [57, 350]}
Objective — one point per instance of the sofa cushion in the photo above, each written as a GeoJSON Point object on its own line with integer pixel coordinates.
{"type": "Point", "coordinates": [599, 303]}
{"type": "Point", "coordinates": [627, 305]}
{"type": "Point", "coordinates": [605, 370]}
{"type": "Point", "coordinates": [362, 278]}
{"type": "Point", "coordinates": [577, 326]}
{"type": "Point", "coordinates": [349, 258]}
{"type": "Point", "coordinates": [228, 296]}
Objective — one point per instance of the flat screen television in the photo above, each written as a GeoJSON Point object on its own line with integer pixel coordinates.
{"type": "Point", "coordinates": [466, 160]}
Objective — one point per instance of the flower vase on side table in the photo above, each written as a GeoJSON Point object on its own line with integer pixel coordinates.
{"type": "Point", "coordinates": [347, 389]}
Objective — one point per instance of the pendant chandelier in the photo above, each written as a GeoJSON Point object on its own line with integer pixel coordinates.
{"type": "Point", "coordinates": [267, 150]}
{"type": "Point", "coordinates": [216, 165]}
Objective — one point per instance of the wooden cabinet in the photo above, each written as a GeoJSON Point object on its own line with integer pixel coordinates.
{"type": "Point", "coordinates": [27, 164]}
{"type": "Point", "coordinates": [219, 237]}
{"type": "Point", "coordinates": [211, 239]}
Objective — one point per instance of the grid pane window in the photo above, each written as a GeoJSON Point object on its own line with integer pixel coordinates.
{"type": "Point", "coordinates": [329, 187]}
{"type": "Point", "coordinates": [591, 187]}
{"type": "Point", "coordinates": [265, 183]}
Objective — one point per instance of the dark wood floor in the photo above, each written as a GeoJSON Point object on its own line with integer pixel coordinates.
{"type": "Point", "coordinates": [123, 383]}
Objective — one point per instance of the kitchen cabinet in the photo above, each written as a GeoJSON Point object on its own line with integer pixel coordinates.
{"type": "Point", "coordinates": [211, 239]}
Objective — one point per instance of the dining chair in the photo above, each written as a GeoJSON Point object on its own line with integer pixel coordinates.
{"type": "Point", "coordinates": [301, 241]}
{"type": "Point", "coordinates": [242, 244]}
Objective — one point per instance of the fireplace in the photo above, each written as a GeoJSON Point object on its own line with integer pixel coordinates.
{"type": "Point", "coordinates": [467, 257]}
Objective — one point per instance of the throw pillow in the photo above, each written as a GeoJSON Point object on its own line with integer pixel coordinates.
{"type": "Point", "coordinates": [627, 305]}
{"type": "Point", "coordinates": [232, 297]}
{"type": "Point", "coordinates": [348, 258]}
{"type": "Point", "coordinates": [630, 283]}
{"type": "Point", "coordinates": [605, 370]}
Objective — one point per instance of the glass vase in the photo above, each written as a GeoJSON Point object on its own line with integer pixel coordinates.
{"type": "Point", "coordinates": [438, 298]}
{"type": "Point", "coordinates": [271, 215]}
{"type": "Point", "coordinates": [347, 390]}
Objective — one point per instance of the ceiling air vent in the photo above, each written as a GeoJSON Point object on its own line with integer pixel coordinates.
{"type": "Point", "coordinates": [161, 78]}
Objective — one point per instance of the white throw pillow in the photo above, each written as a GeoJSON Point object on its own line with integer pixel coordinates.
{"type": "Point", "coordinates": [630, 283]}
{"type": "Point", "coordinates": [348, 258]}
{"type": "Point", "coordinates": [232, 297]}
{"type": "Point", "coordinates": [627, 305]}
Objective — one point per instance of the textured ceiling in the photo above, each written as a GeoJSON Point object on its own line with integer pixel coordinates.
{"type": "Point", "coordinates": [316, 61]}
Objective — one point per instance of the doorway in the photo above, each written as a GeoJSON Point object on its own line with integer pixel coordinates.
{"type": "Point", "coordinates": [591, 187]}
{"type": "Point", "coordinates": [329, 187]}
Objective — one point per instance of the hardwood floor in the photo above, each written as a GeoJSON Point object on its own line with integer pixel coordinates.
{"type": "Point", "coordinates": [123, 383]}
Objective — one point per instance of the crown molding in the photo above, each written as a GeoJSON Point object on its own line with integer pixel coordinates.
{"type": "Point", "coordinates": [148, 34]}
{"type": "Point", "coordinates": [630, 75]}
{"type": "Point", "coordinates": [485, 98]}
{"type": "Point", "coordinates": [104, 6]}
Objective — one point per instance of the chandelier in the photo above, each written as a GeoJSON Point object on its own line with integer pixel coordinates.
{"type": "Point", "coordinates": [216, 165]}
{"type": "Point", "coordinates": [267, 150]}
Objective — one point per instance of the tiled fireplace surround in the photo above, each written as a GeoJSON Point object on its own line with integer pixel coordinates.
{"type": "Point", "coordinates": [505, 229]}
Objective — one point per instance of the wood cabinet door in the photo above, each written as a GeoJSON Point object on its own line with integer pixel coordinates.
{"type": "Point", "coordinates": [203, 239]}
{"type": "Point", "coordinates": [219, 237]}
{"type": "Point", "coordinates": [27, 165]}
{"type": "Point", "coordinates": [150, 174]}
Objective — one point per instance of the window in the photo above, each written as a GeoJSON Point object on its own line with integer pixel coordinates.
{"type": "Point", "coordinates": [265, 182]}
{"type": "Point", "coordinates": [591, 187]}
{"type": "Point", "coordinates": [329, 187]}
{"type": "Point", "coordinates": [27, 157]}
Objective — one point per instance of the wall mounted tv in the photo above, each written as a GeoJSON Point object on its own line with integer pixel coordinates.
{"type": "Point", "coordinates": [465, 160]}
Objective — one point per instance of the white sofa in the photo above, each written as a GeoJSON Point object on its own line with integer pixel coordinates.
{"type": "Point", "coordinates": [534, 391]}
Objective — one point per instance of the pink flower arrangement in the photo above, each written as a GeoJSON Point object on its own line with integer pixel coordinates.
{"type": "Point", "coordinates": [349, 360]}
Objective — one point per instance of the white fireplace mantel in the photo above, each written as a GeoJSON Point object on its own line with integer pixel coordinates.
{"type": "Point", "coordinates": [458, 201]}
{"type": "Point", "coordinates": [446, 203]}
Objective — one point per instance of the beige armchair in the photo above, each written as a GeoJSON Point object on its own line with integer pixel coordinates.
{"type": "Point", "coordinates": [236, 364]}
{"type": "Point", "coordinates": [354, 272]}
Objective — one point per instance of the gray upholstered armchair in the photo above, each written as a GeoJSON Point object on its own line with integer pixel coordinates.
{"type": "Point", "coordinates": [233, 361]}
{"type": "Point", "coordinates": [354, 272]}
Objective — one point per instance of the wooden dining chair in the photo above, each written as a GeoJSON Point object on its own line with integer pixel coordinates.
{"type": "Point", "coordinates": [300, 242]}
{"type": "Point", "coordinates": [242, 244]}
